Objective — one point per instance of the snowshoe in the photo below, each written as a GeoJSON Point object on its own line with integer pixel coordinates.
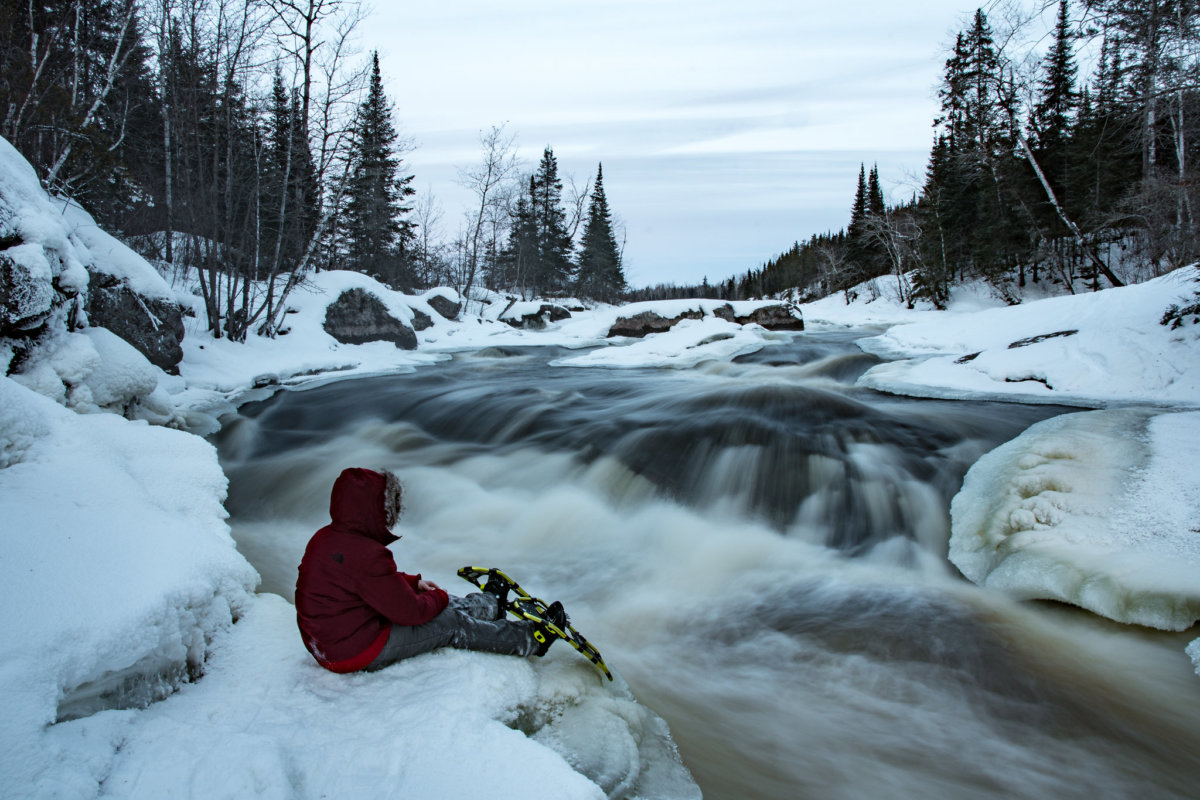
{"type": "Point", "coordinates": [552, 619]}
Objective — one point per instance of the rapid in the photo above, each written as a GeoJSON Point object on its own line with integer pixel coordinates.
{"type": "Point", "coordinates": [758, 549]}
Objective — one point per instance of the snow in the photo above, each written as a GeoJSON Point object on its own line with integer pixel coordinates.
{"type": "Point", "coordinates": [106, 254]}
{"type": "Point", "coordinates": [1096, 509]}
{"type": "Point", "coordinates": [1100, 349]}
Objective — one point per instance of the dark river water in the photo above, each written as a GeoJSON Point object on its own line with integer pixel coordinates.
{"type": "Point", "coordinates": [759, 550]}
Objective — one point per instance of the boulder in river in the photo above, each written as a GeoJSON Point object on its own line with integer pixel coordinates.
{"type": "Point", "coordinates": [358, 317]}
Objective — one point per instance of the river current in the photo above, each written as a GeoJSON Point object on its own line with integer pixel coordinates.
{"type": "Point", "coordinates": [758, 548]}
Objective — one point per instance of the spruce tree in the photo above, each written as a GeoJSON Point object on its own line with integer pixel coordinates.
{"type": "Point", "coordinates": [290, 193]}
{"type": "Point", "coordinates": [376, 236]}
{"type": "Point", "coordinates": [551, 271]}
{"type": "Point", "coordinates": [520, 254]}
{"type": "Point", "coordinates": [1054, 111]}
{"type": "Point", "coordinates": [599, 274]}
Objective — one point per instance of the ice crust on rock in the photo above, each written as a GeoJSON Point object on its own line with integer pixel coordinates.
{"type": "Point", "coordinates": [1097, 509]}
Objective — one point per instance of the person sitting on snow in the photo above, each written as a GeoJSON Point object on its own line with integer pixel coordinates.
{"type": "Point", "coordinates": [356, 611]}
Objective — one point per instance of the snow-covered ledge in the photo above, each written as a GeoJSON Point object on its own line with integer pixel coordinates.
{"type": "Point", "coordinates": [1097, 509]}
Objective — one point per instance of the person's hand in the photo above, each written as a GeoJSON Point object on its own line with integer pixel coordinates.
{"type": "Point", "coordinates": [426, 586]}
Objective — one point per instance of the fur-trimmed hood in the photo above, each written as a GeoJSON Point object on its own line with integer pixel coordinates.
{"type": "Point", "coordinates": [366, 502]}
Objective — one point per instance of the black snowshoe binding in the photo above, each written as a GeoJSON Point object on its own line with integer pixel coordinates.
{"type": "Point", "coordinates": [551, 621]}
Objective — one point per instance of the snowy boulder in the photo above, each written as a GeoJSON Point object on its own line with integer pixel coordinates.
{"type": "Point", "coordinates": [446, 302]}
{"type": "Point", "coordinates": [643, 319]}
{"type": "Point", "coordinates": [1098, 509]}
{"type": "Point", "coordinates": [647, 322]}
{"type": "Point", "coordinates": [358, 317]}
{"type": "Point", "coordinates": [773, 316]}
{"type": "Point", "coordinates": [533, 316]}
{"type": "Point", "coordinates": [153, 325]}
{"type": "Point", "coordinates": [26, 291]}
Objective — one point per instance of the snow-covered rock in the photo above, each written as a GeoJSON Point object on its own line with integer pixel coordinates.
{"type": "Point", "coordinates": [359, 317]}
{"type": "Point", "coordinates": [688, 343]}
{"type": "Point", "coordinates": [1099, 509]}
{"type": "Point", "coordinates": [643, 319]}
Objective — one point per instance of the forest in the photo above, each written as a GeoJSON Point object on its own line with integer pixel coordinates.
{"type": "Point", "coordinates": [243, 144]}
{"type": "Point", "coordinates": [1037, 171]}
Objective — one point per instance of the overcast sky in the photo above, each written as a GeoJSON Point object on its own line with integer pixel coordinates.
{"type": "Point", "coordinates": [727, 130]}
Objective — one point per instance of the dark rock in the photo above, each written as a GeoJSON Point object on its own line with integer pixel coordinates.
{"type": "Point", "coordinates": [539, 319]}
{"type": "Point", "coordinates": [421, 320]}
{"type": "Point", "coordinates": [775, 317]}
{"type": "Point", "coordinates": [1041, 338]}
{"type": "Point", "coordinates": [153, 326]}
{"type": "Point", "coordinates": [25, 299]}
{"type": "Point", "coordinates": [444, 306]}
{"type": "Point", "coordinates": [648, 322]}
{"type": "Point", "coordinates": [358, 317]}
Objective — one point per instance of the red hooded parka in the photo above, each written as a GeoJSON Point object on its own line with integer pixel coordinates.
{"type": "Point", "coordinates": [349, 592]}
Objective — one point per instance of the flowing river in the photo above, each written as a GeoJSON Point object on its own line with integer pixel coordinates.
{"type": "Point", "coordinates": [758, 548]}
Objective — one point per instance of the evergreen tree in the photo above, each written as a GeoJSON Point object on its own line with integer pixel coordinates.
{"type": "Point", "coordinates": [376, 235]}
{"type": "Point", "coordinates": [1054, 111]}
{"type": "Point", "coordinates": [290, 192]}
{"type": "Point", "coordinates": [516, 262]}
{"type": "Point", "coordinates": [599, 274]}
{"type": "Point", "coordinates": [551, 269]}
{"type": "Point", "coordinates": [875, 205]}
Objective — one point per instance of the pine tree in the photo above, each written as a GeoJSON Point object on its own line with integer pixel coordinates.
{"type": "Point", "coordinates": [376, 235]}
{"type": "Point", "coordinates": [551, 270]}
{"type": "Point", "coordinates": [1054, 111]}
{"type": "Point", "coordinates": [875, 206]}
{"type": "Point", "coordinates": [520, 254]}
{"type": "Point", "coordinates": [290, 192]}
{"type": "Point", "coordinates": [599, 274]}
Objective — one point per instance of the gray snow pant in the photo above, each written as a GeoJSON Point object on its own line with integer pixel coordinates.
{"type": "Point", "coordinates": [474, 622]}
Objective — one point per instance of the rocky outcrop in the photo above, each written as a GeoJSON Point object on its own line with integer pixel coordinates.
{"type": "Point", "coordinates": [444, 306]}
{"type": "Point", "coordinates": [776, 317]}
{"type": "Point", "coordinates": [421, 320]}
{"type": "Point", "coordinates": [358, 317]}
{"type": "Point", "coordinates": [536, 320]}
{"type": "Point", "coordinates": [648, 322]}
{"type": "Point", "coordinates": [26, 293]}
{"type": "Point", "coordinates": [153, 326]}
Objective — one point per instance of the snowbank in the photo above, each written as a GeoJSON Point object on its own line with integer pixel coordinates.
{"type": "Point", "coordinates": [1097, 509]}
{"type": "Point", "coordinates": [1094, 349]}
{"type": "Point", "coordinates": [118, 570]}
